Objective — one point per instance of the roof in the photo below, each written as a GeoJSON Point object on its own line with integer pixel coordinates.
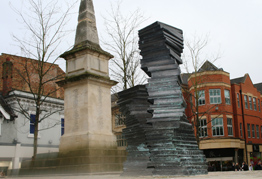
{"type": "Point", "coordinates": [184, 78]}
{"type": "Point", "coordinates": [208, 66]}
{"type": "Point", "coordinates": [239, 80]}
{"type": "Point", "coordinates": [259, 87]}
{"type": "Point", "coordinates": [6, 110]}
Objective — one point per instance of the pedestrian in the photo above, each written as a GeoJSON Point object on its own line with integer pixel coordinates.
{"type": "Point", "coordinates": [237, 167]}
{"type": "Point", "coordinates": [258, 166]}
{"type": "Point", "coordinates": [233, 166]}
{"type": "Point", "coordinates": [2, 174]}
{"type": "Point", "coordinates": [244, 167]}
{"type": "Point", "coordinates": [250, 167]}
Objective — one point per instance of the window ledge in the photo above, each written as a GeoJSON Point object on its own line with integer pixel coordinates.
{"type": "Point", "coordinates": [32, 136]}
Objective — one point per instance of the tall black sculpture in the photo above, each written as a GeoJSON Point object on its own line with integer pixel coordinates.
{"type": "Point", "coordinates": [171, 142]}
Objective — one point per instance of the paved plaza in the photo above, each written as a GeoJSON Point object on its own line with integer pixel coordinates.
{"type": "Point", "coordinates": [211, 175]}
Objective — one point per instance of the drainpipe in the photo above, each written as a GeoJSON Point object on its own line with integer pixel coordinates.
{"type": "Point", "coordinates": [244, 125]}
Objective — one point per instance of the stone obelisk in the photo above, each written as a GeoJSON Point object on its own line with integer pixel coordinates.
{"type": "Point", "coordinates": [87, 89]}
{"type": "Point", "coordinates": [88, 144]}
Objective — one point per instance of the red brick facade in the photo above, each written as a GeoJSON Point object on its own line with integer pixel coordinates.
{"type": "Point", "coordinates": [13, 69]}
{"type": "Point", "coordinates": [228, 133]}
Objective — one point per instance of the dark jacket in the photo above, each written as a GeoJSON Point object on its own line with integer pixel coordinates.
{"type": "Point", "coordinates": [258, 167]}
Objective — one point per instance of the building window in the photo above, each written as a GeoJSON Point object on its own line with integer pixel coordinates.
{"type": "Point", "coordinates": [217, 127]}
{"type": "Point", "coordinates": [261, 131]}
{"type": "Point", "coordinates": [257, 130]}
{"type": "Point", "coordinates": [32, 123]}
{"type": "Point", "coordinates": [62, 126]}
{"type": "Point", "coordinates": [203, 128]}
{"type": "Point", "coordinates": [248, 130]}
{"type": "Point", "coordinates": [121, 141]}
{"type": "Point", "coordinates": [241, 132]}
{"type": "Point", "coordinates": [201, 97]}
{"type": "Point", "coordinates": [255, 103]}
{"type": "Point", "coordinates": [250, 102]}
{"type": "Point", "coordinates": [119, 120]}
{"type": "Point", "coordinates": [253, 131]}
{"type": "Point", "coordinates": [229, 126]}
{"type": "Point", "coordinates": [245, 99]}
{"type": "Point", "coordinates": [258, 103]}
{"type": "Point", "coordinates": [238, 102]}
{"type": "Point", "coordinates": [215, 96]}
{"type": "Point", "coordinates": [227, 96]}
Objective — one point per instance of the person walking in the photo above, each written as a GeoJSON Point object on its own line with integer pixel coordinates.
{"type": "Point", "coordinates": [237, 167]}
{"type": "Point", "coordinates": [250, 167]}
{"type": "Point", "coordinates": [244, 167]}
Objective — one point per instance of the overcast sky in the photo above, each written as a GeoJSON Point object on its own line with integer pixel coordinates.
{"type": "Point", "coordinates": [234, 27]}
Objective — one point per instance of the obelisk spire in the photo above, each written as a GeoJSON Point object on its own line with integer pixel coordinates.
{"type": "Point", "coordinates": [86, 29]}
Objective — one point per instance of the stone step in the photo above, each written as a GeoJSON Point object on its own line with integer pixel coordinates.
{"type": "Point", "coordinates": [72, 169]}
{"type": "Point", "coordinates": [72, 161]}
{"type": "Point", "coordinates": [93, 152]}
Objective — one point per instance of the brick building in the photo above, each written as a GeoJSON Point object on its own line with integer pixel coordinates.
{"type": "Point", "coordinates": [229, 113]}
{"type": "Point", "coordinates": [16, 131]}
{"type": "Point", "coordinates": [12, 68]}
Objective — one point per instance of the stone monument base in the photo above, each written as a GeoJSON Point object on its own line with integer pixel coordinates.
{"type": "Point", "coordinates": [90, 160]}
{"type": "Point", "coordinates": [84, 141]}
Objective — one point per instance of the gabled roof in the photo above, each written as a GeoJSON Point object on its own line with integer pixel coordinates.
{"type": "Point", "coordinates": [259, 87]}
{"type": "Point", "coordinates": [184, 78]}
{"type": "Point", "coordinates": [208, 66]}
{"type": "Point", "coordinates": [6, 110]}
{"type": "Point", "coordinates": [239, 80]}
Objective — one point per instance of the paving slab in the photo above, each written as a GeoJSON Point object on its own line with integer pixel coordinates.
{"type": "Point", "coordinates": [210, 175]}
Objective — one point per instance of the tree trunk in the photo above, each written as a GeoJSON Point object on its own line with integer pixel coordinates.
{"type": "Point", "coordinates": [35, 136]}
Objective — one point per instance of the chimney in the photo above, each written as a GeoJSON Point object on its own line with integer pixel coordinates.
{"type": "Point", "coordinates": [7, 76]}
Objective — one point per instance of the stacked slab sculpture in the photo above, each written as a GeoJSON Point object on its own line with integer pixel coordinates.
{"type": "Point", "coordinates": [171, 142]}
{"type": "Point", "coordinates": [133, 105]}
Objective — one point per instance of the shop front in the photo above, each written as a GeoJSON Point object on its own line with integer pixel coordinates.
{"type": "Point", "coordinates": [255, 154]}
{"type": "Point", "coordinates": [222, 159]}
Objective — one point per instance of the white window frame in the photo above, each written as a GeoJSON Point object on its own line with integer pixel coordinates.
{"type": "Point", "coordinates": [246, 103]}
{"type": "Point", "coordinates": [261, 131]}
{"type": "Point", "coordinates": [257, 130]}
{"type": "Point", "coordinates": [255, 103]}
{"type": "Point", "coordinates": [201, 98]}
{"type": "Point", "coordinates": [217, 126]}
{"type": "Point", "coordinates": [253, 131]}
{"type": "Point", "coordinates": [121, 140]}
{"type": "Point", "coordinates": [119, 120]}
{"type": "Point", "coordinates": [248, 131]}
{"type": "Point", "coordinates": [241, 130]}
{"type": "Point", "coordinates": [238, 101]}
{"type": "Point", "coordinates": [202, 128]}
{"type": "Point", "coordinates": [229, 126]}
{"type": "Point", "coordinates": [215, 96]}
{"type": "Point", "coordinates": [250, 102]}
{"type": "Point", "coordinates": [258, 105]}
{"type": "Point", "coordinates": [227, 96]}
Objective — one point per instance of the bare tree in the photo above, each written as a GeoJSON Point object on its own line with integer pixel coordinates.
{"type": "Point", "coordinates": [44, 22]}
{"type": "Point", "coordinates": [194, 59]}
{"type": "Point", "coordinates": [123, 44]}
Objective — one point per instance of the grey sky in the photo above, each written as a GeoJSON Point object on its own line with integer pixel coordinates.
{"type": "Point", "coordinates": [234, 27]}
